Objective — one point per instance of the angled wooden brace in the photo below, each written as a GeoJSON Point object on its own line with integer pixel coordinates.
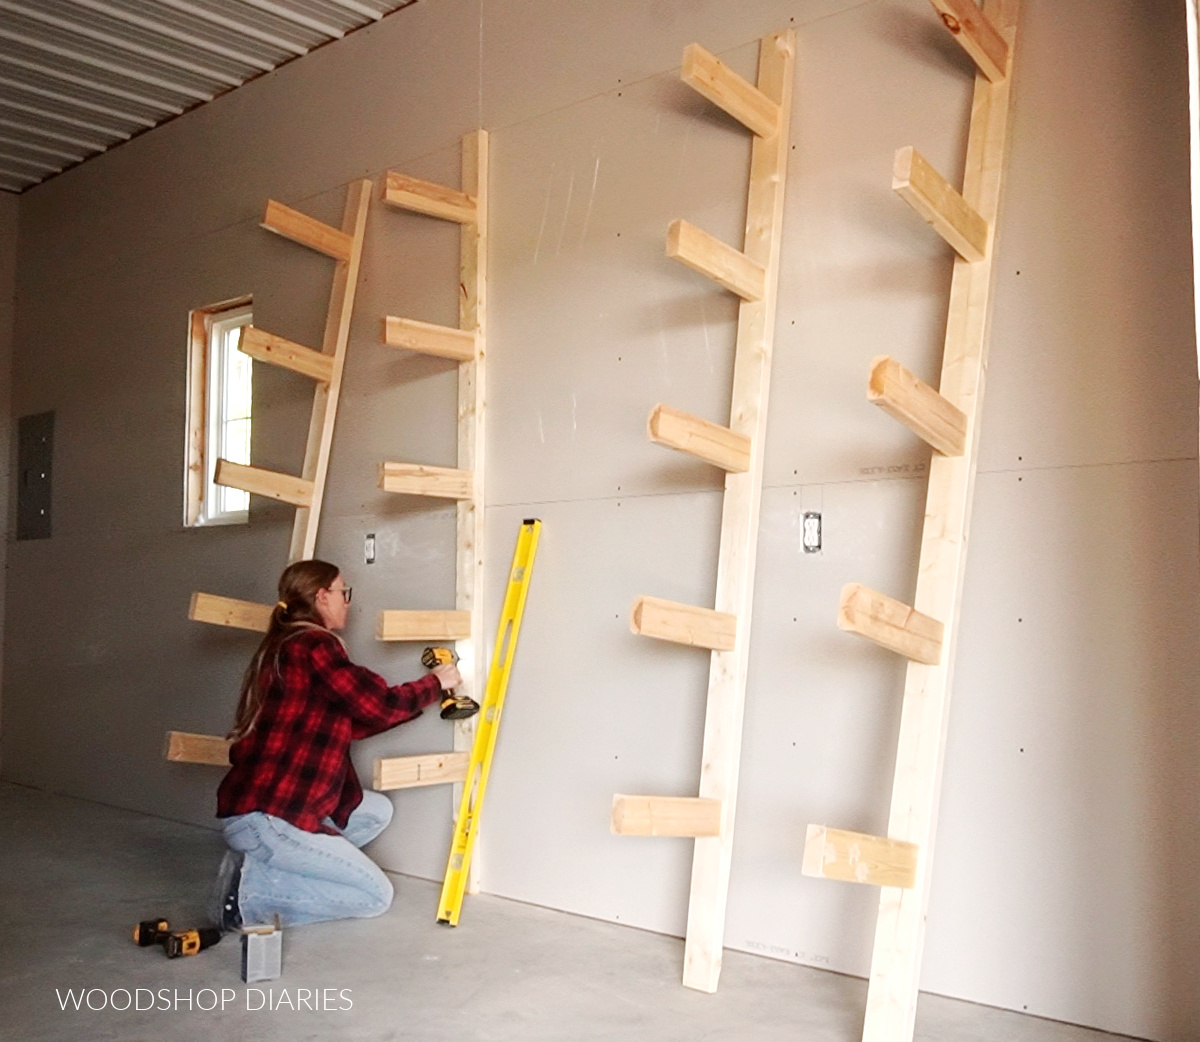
{"type": "Point", "coordinates": [307, 490]}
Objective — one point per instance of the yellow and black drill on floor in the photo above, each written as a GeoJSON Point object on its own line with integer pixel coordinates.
{"type": "Point", "coordinates": [454, 705]}
{"type": "Point", "coordinates": [174, 942]}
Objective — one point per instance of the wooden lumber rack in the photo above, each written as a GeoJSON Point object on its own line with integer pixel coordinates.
{"type": "Point", "coordinates": [752, 274]}
{"type": "Point", "coordinates": [306, 490]}
{"type": "Point", "coordinates": [465, 345]}
{"type": "Point", "coordinates": [901, 863]}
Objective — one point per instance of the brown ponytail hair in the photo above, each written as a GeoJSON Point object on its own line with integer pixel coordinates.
{"type": "Point", "coordinates": [295, 612]}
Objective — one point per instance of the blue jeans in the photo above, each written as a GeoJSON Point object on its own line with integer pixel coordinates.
{"type": "Point", "coordinates": [309, 877]}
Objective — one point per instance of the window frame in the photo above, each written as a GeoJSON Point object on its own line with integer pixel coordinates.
{"type": "Point", "coordinates": [205, 326]}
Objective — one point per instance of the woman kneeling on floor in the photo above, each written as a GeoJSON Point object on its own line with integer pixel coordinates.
{"type": "Point", "coordinates": [291, 806]}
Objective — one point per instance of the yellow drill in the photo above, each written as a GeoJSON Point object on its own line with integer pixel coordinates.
{"type": "Point", "coordinates": [454, 705]}
{"type": "Point", "coordinates": [175, 943]}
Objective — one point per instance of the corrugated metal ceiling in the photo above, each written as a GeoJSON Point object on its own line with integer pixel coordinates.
{"type": "Point", "coordinates": [79, 76]}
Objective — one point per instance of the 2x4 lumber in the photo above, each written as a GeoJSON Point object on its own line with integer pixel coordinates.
{"type": "Point", "coordinates": [976, 35]}
{"type": "Point", "coordinates": [227, 611]}
{"type": "Point", "coordinates": [425, 197]}
{"type": "Point", "coordinates": [417, 479]}
{"type": "Point", "coordinates": [711, 78]}
{"type": "Point", "coordinates": [683, 624]}
{"type": "Point", "coordinates": [325, 395]}
{"type": "Point", "coordinates": [927, 192]}
{"type": "Point", "coordinates": [890, 624]}
{"type": "Point", "coordinates": [429, 339]}
{"type": "Point", "coordinates": [924, 714]}
{"type": "Point", "coordinates": [308, 231]}
{"type": "Point", "coordinates": [410, 772]}
{"type": "Point", "coordinates": [424, 625]}
{"type": "Point", "coordinates": [665, 816]}
{"type": "Point", "coordinates": [287, 488]}
{"type": "Point", "coordinates": [472, 414]}
{"type": "Point", "coordinates": [720, 262]}
{"type": "Point", "coordinates": [721, 755]}
{"type": "Point", "coordinates": [198, 748]}
{"type": "Point", "coordinates": [707, 441]}
{"type": "Point", "coordinates": [854, 857]}
{"type": "Point", "coordinates": [275, 350]}
{"type": "Point", "coordinates": [907, 398]}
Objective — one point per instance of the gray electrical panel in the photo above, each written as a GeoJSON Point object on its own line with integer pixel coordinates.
{"type": "Point", "coordinates": [35, 453]}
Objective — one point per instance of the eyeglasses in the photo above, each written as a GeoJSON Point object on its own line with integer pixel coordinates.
{"type": "Point", "coordinates": [345, 591]}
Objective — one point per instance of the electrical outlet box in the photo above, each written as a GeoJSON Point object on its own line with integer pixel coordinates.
{"type": "Point", "coordinates": [811, 533]}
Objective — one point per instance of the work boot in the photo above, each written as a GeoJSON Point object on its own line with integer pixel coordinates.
{"type": "Point", "coordinates": [223, 907]}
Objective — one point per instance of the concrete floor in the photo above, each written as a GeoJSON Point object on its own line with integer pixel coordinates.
{"type": "Point", "coordinates": [75, 876]}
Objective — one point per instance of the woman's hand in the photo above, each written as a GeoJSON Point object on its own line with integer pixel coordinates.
{"type": "Point", "coordinates": [448, 676]}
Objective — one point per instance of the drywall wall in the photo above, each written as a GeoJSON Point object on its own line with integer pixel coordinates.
{"type": "Point", "coordinates": [1067, 838]}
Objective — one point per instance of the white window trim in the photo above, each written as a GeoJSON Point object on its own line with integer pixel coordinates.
{"type": "Point", "coordinates": [208, 364]}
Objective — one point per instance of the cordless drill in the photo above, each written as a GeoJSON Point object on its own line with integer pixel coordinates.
{"type": "Point", "coordinates": [175, 943]}
{"type": "Point", "coordinates": [454, 705]}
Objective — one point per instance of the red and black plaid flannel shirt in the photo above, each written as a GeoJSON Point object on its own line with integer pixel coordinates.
{"type": "Point", "coordinates": [295, 763]}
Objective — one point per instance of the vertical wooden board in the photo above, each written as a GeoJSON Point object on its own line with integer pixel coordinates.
{"type": "Point", "coordinates": [472, 400]}
{"type": "Point", "coordinates": [899, 934]}
{"type": "Point", "coordinates": [739, 525]}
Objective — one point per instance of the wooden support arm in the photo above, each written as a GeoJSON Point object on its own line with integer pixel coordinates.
{"type": "Point", "coordinates": [855, 857]}
{"type": "Point", "coordinates": [890, 624]}
{"type": "Point", "coordinates": [665, 816]}
{"type": "Point", "coordinates": [416, 479]}
{"type": "Point", "coordinates": [307, 231]}
{"type": "Point", "coordinates": [707, 441]}
{"type": "Point", "coordinates": [287, 488]}
{"type": "Point", "coordinates": [927, 192]}
{"type": "Point", "coordinates": [722, 263]}
{"type": "Point", "coordinates": [918, 406]}
{"type": "Point", "coordinates": [443, 341]}
{"type": "Point", "coordinates": [226, 611]}
{"type": "Point", "coordinates": [265, 347]}
{"type": "Point", "coordinates": [976, 35]}
{"type": "Point", "coordinates": [710, 77]}
{"type": "Point", "coordinates": [424, 625]}
{"type": "Point", "coordinates": [410, 772]}
{"type": "Point", "coordinates": [683, 624]}
{"type": "Point", "coordinates": [435, 200]}
{"type": "Point", "coordinates": [197, 748]}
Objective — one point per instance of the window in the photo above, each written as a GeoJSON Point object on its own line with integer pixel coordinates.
{"type": "Point", "coordinates": [219, 406]}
